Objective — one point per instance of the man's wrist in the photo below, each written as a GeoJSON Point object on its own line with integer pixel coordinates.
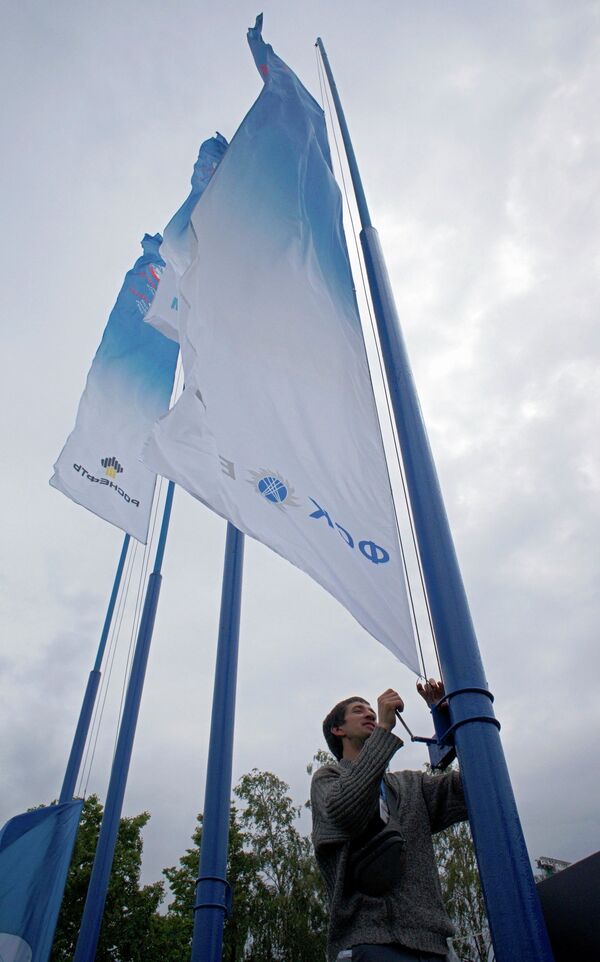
{"type": "Point", "coordinates": [390, 732]}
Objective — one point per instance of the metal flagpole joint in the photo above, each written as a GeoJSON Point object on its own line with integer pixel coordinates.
{"type": "Point", "coordinates": [213, 894]}
{"type": "Point", "coordinates": [514, 912]}
{"type": "Point", "coordinates": [91, 921]}
{"type": "Point", "coordinates": [89, 699]}
{"type": "Point", "coordinates": [212, 887]}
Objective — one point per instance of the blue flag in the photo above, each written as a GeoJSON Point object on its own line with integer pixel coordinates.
{"type": "Point", "coordinates": [35, 852]}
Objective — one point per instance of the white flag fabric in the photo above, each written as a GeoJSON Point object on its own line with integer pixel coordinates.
{"type": "Point", "coordinates": [178, 246]}
{"type": "Point", "coordinates": [277, 428]}
{"type": "Point", "coordinates": [128, 387]}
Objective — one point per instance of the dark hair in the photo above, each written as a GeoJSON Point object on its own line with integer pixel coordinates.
{"type": "Point", "coordinates": [335, 718]}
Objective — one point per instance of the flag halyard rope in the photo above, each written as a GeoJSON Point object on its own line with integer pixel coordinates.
{"type": "Point", "coordinates": [327, 105]}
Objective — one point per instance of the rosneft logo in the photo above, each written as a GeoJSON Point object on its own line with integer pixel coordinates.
{"type": "Point", "coordinates": [111, 466]}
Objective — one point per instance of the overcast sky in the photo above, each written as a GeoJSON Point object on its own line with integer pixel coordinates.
{"type": "Point", "coordinates": [476, 127]}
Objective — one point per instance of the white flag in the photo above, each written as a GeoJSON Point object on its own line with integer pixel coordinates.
{"type": "Point", "coordinates": [129, 385]}
{"type": "Point", "coordinates": [277, 428]}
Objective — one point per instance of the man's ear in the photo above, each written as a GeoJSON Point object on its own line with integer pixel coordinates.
{"type": "Point", "coordinates": [338, 731]}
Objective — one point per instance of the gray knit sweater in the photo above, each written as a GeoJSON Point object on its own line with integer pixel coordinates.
{"type": "Point", "coordinates": [345, 797]}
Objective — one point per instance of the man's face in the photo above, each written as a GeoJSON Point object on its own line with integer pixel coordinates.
{"type": "Point", "coordinates": [359, 722]}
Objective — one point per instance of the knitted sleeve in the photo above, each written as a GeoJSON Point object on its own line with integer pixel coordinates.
{"type": "Point", "coordinates": [344, 797]}
{"type": "Point", "coordinates": [445, 800]}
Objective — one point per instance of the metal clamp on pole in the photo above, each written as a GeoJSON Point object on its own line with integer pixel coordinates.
{"type": "Point", "coordinates": [213, 892]}
{"type": "Point", "coordinates": [463, 691]}
{"type": "Point", "coordinates": [447, 737]}
{"type": "Point", "coordinates": [441, 748]}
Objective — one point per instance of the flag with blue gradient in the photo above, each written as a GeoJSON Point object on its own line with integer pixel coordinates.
{"type": "Point", "coordinates": [128, 387]}
{"type": "Point", "coordinates": [35, 852]}
{"type": "Point", "coordinates": [178, 248]}
{"type": "Point", "coordinates": [277, 427]}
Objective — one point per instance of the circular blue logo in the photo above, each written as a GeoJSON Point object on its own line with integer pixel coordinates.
{"type": "Point", "coordinates": [272, 489]}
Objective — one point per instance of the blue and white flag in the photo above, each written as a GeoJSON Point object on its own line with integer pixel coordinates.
{"type": "Point", "coordinates": [128, 387]}
{"type": "Point", "coordinates": [35, 852]}
{"type": "Point", "coordinates": [277, 428]}
{"type": "Point", "coordinates": [179, 245]}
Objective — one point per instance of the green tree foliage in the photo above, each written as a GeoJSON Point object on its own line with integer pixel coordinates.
{"type": "Point", "coordinates": [279, 908]}
{"type": "Point", "coordinates": [176, 927]}
{"type": "Point", "coordinates": [289, 916]}
{"type": "Point", "coordinates": [127, 933]}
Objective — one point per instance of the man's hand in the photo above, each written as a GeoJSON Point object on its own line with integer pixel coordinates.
{"type": "Point", "coordinates": [432, 691]}
{"type": "Point", "coordinates": [386, 708]}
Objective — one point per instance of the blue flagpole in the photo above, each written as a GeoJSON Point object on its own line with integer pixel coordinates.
{"type": "Point", "coordinates": [91, 921]}
{"type": "Point", "coordinates": [213, 894]}
{"type": "Point", "coordinates": [516, 922]}
{"type": "Point", "coordinates": [89, 699]}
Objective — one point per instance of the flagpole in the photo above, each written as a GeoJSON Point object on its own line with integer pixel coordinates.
{"type": "Point", "coordinates": [89, 699]}
{"type": "Point", "coordinates": [91, 921]}
{"type": "Point", "coordinates": [516, 921]}
{"type": "Point", "coordinates": [213, 893]}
